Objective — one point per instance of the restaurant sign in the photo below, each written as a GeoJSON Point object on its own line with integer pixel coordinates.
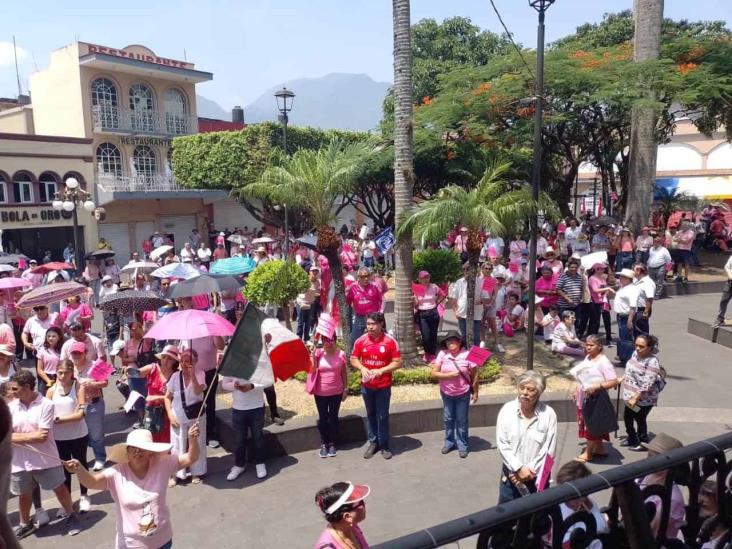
{"type": "Point", "coordinates": [140, 54]}
{"type": "Point", "coordinates": [33, 216]}
{"type": "Point", "coordinates": [149, 141]}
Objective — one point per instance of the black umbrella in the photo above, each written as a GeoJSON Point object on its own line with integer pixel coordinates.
{"type": "Point", "coordinates": [100, 254]}
{"type": "Point", "coordinates": [12, 259]}
{"type": "Point", "coordinates": [131, 301]}
{"type": "Point", "coordinates": [204, 284]}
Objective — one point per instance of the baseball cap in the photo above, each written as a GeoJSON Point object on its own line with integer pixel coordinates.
{"type": "Point", "coordinates": [77, 347]}
{"type": "Point", "coordinates": [423, 274]}
{"type": "Point", "coordinates": [117, 347]}
{"type": "Point", "coordinates": [5, 350]}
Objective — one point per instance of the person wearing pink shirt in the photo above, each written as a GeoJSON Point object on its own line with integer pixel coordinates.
{"type": "Point", "coordinates": [76, 311]}
{"type": "Point", "coordinates": [364, 298]}
{"type": "Point", "coordinates": [33, 420]}
{"type": "Point", "coordinates": [330, 388]}
{"type": "Point", "coordinates": [546, 288]}
{"type": "Point", "coordinates": [426, 299]}
{"type": "Point", "coordinates": [681, 243]}
{"type": "Point", "coordinates": [7, 336]}
{"type": "Point", "coordinates": [458, 387]}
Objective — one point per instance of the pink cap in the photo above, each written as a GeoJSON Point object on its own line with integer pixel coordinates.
{"type": "Point", "coordinates": [78, 347]}
{"type": "Point", "coordinates": [422, 274]}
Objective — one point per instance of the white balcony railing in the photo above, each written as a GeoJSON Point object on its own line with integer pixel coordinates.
{"type": "Point", "coordinates": [116, 119]}
{"type": "Point", "coordinates": [137, 183]}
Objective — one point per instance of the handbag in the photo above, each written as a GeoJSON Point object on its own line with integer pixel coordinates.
{"type": "Point", "coordinates": [599, 414]}
{"type": "Point", "coordinates": [312, 380]}
{"type": "Point", "coordinates": [153, 420]}
{"type": "Point", "coordinates": [145, 357]}
{"type": "Point", "coordinates": [193, 411]}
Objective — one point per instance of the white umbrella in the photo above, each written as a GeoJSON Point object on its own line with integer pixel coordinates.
{"type": "Point", "coordinates": [239, 239]}
{"type": "Point", "coordinates": [176, 270]}
{"type": "Point", "coordinates": [589, 260]}
{"type": "Point", "coordinates": [6, 268]}
{"type": "Point", "coordinates": [160, 251]}
{"type": "Point", "coordinates": [141, 266]}
{"type": "Point", "coordinates": [263, 240]}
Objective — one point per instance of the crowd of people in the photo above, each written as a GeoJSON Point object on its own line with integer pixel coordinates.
{"type": "Point", "coordinates": [58, 413]}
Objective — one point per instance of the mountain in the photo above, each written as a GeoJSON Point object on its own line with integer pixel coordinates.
{"type": "Point", "coordinates": [206, 108]}
{"type": "Point", "coordinates": [338, 101]}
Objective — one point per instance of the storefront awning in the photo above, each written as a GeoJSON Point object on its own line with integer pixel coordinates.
{"type": "Point", "coordinates": [709, 188]}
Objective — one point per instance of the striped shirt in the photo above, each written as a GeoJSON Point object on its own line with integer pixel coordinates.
{"type": "Point", "coordinates": [572, 287]}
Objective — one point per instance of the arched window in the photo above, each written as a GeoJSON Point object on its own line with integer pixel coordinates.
{"type": "Point", "coordinates": [144, 162]}
{"type": "Point", "coordinates": [142, 105]}
{"type": "Point", "coordinates": [23, 188]}
{"type": "Point", "coordinates": [104, 103]}
{"type": "Point", "coordinates": [3, 187]}
{"type": "Point", "coordinates": [109, 160]}
{"type": "Point", "coordinates": [47, 185]}
{"type": "Point", "coordinates": [176, 121]}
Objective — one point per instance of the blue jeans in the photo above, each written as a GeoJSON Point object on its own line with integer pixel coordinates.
{"type": "Point", "coordinates": [624, 260]}
{"type": "Point", "coordinates": [377, 412]}
{"type": "Point", "coordinates": [368, 262]}
{"type": "Point", "coordinates": [167, 545]}
{"type": "Point", "coordinates": [248, 423]}
{"type": "Point", "coordinates": [94, 418]}
{"type": "Point", "coordinates": [358, 328]}
{"type": "Point", "coordinates": [456, 420]}
{"type": "Point", "coordinates": [463, 327]}
{"type": "Point", "coordinates": [625, 339]}
{"type": "Point", "coordinates": [304, 321]}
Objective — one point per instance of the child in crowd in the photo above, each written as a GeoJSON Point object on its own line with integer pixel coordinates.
{"type": "Point", "coordinates": [550, 321]}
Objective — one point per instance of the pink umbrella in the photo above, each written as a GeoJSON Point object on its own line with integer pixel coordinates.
{"type": "Point", "coordinates": [13, 282]}
{"type": "Point", "coordinates": [190, 324]}
{"type": "Point", "coordinates": [51, 293]}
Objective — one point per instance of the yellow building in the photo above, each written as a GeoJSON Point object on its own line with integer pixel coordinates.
{"type": "Point", "coordinates": [130, 103]}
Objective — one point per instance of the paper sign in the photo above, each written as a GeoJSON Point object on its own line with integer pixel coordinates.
{"type": "Point", "coordinates": [134, 397]}
{"type": "Point", "coordinates": [100, 371]}
{"type": "Point", "coordinates": [326, 325]}
{"type": "Point", "coordinates": [546, 471]}
{"type": "Point", "coordinates": [594, 258]}
{"type": "Point", "coordinates": [418, 290]}
{"type": "Point", "coordinates": [489, 284]}
{"type": "Point", "coordinates": [492, 253]}
{"type": "Point", "coordinates": [478, 356]}
{"type": "Point", "coordinates": [513, 267]}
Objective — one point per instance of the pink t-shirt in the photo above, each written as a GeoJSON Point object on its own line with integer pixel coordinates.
{"type": "Point", "coordinates": [455, 386]}
{"type": "Point", "coordinates": [428, 300]}
{"type": "Point", "coordinates": [29, 419]}
{"type": "Point", "coordinates": [206, 349]}
{"type": "Point", "coordinates": [73, 314]}
{"type": "Point", "coordinates": [542, 284]}
{"type": "Point", "coordinates": [330, 373]}
{"type": "Point", "coordinates": [328, 541]}
{"type": "Point", "coordinates": [596, 283]}
{"type": "Point", "coordinates": [49, 360]}
{"type": "Point", "coordinates": [7, 336]}
{"type": "Point", "coordinates": [364, 300]}
{"type": "Point", "coordinates": [143, 517]}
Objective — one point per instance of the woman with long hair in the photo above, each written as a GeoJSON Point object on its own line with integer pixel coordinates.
{"type": "Point", "coordinates": [48, 357]}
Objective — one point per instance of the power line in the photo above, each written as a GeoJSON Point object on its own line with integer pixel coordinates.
{"type": "Point", "coordinates": [510, 37]}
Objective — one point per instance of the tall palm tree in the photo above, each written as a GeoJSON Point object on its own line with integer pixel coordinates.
{"type": "Point", "coordinates": [314, 180]}
{"type": "Point", "coordinates": [670, 201]}
{"type": "Point", "coordinates": [491, 205]}
{"type": "Point", "coordinates": [643, 147]}
{"type": "Point", "coordinates": [403, 177]}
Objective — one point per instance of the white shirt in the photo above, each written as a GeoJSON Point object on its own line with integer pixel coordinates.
{"type": "Point", "coordinates": [157, 240]}
{"type": "Point", "coordinates": [459, 292]}
{"type": "Point", "coordinates": [625, 299]}
{"type": "Point", "coordinates": [94, 348]}
{"type": "Point", "coordinates": [526, 444]}
{"type": "Point", "coordinates": [658, 257]}
{"type": "Point", "coordinates": [173, 388]}
{"type": "Point", "coordinates": [571, 234]}
{"type": "Point", "coordinates": [204, 254]}
{"type": "Point", "coordinates": [37, 328]}
{"type": "Point", "coordinates": [728, 268]}
{"type": "Point", "coordinates": [646, 290]}
{"type": "Point", "coordinates": [186, 254]}
{"type": "Point", "coordinates": [496, 242]}
{"type": "Point", "coordinates": [104, 291]}
{"type": "Point", "coordinates": [250, 400]}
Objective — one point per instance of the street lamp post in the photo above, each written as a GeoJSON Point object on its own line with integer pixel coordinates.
{"type": "Point", "coordinates": [68, 200]}
{"type": "Point", "coordinates": [284, 98]}
{"type": "Point", "coordinates": [540, 6]}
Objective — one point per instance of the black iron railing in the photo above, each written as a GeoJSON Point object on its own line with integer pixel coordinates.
{"type": "Point", "coordinates": [526, 522]}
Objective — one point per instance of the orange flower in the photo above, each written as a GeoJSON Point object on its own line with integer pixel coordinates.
{"type": "Point", "coordinates": [426, 100]}
{"type": "Point", "coordinates": [590, 64]}
{"type": "Point", "coordinates": [481, 89]}
{"type": "Point", "coordinates": [685, 68]}
{"type": "Point", "coordinates": [580, 54]}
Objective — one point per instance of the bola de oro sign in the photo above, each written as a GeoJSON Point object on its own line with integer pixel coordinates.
{"type": "Point", "coordinates": [30, 216]}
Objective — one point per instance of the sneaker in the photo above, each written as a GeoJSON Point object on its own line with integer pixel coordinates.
{"type": "Point", "coordinates": [84, 504]}
{"type": "Point", "coordinates": [332, 451]}
{"type": "Point", "coordinates": [637, 448]}
{"type": "Point", "coordinates": [501, 348]}
{"type": "Point", "coordinates": [73, 526]}
{"type": "Point", "coordinates": [42, 517]}
{"type": "Point", "coordinates": [371, 449]}
{"type": "Point", "coordinates": [98, 465]}
{"type": "Point", "coordinates": [261, 470]}
{"type": "Point", "coordinates": [463, 453]}
{"type": "Point", "coordinates": [235, 472]}
{"type": "Point", "coordinates": [61, 514]}
{"type": "Point", "coordinates": [386, 453]}
{"type": "Point", "coordinates": [627, 443]}
{"type": "Point", "coordinates": [213, 443]}
{"type": "Point", "coordinates": [277, 420]}
{"type": "Point", "coordinates": [23, 530]}
{"type": "Point", "coordinates": [323, 451]}
{"type": "Point", "coordinates": [446, 450]}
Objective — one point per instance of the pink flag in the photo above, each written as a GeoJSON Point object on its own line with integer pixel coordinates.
{"type": "Point", "coordinates": [101, 370]}
{"type": "Point", "coordinates": [513, 267]}
{"type": "Point", "coordinates": [489, 284]}
{"type": "Point", "coordinates": [418, 290]}
{"type": "Point", "coordinates": [546, 471]}
{"type": "Point", "coordinates": [492, 253]}
{"type": "Point", "coordinates": [478, 356]}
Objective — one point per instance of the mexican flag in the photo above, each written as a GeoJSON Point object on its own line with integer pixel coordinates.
{"type": "Point", "coordinates": [261, 349]}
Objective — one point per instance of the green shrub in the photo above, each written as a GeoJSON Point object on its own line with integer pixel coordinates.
{"type": "Point", "coordinates": [277, 282]}
{"type": "Point", "coordinates": [443, 265]}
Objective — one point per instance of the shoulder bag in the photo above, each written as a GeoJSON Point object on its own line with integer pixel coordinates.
{"type": "Point", "coordinates": [599, 414]}
{"type": "Point", "coordinates": [145, 357]}
{"type": "Point", "coordinates": [462, 375]}
{"type": "Point", "coordinates": [192, 410]}
{"type": "Point", "coordinates": [312, 379]}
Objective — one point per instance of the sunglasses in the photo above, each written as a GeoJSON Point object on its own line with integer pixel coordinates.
{"type": "Point", "coordinates": [358, 505]}
{"type": "Point", "coordinates": [39, 309]}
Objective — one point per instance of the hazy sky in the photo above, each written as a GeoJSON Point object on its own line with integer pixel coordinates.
{"type": "Point", "coordinates": [252, 45]}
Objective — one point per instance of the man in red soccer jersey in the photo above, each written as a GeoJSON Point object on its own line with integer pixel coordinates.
{"type": "Point", "coordinates": [376, 355]}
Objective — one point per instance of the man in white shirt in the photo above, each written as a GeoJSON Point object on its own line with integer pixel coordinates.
{"type": "Point", "coordinates": [644, 305]}
{"type": "Point", "coordinates": [458, 294]}
{"type": "Point", "coordinates": [572, 233]}
{"type": "Point", "coordinates": [187, 253]}
{"type": "Point", "coordinates": [157, 240]}
{"type": "Point", "coordinates": [624, 306]}
{"type": "Point", "coordinates": [726, 293]}
{"type": "Point", "coordinates": [94, 346]}
{"type": "Point", "coordinates": [658, 258]}
{"type": "Point", "coordinates": [35, 279]}
{"type": "Point", "coordinates": [34, 331]}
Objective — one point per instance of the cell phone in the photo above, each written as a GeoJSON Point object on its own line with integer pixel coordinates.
{"type": "Point", "coordinates": [635, 408]}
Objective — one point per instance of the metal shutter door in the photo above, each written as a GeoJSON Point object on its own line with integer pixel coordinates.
{"type": "Point", "coordinates": [180, 225]}
{"type": "Point", "coordinates": [118, 236]}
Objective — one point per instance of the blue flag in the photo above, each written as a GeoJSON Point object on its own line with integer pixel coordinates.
{"type": "Point", "coordinates": [385, 240]}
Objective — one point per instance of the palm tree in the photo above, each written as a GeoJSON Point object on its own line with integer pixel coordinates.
{"type": "Point", "coordinates": [669, 201]}
{"type": "Point", "coordinates": [314, 180]}
{"type": "Point", "coordinates": [403, 177]}
{"type": "Point", "coordinates": [643, 147]}
{"type": "Point", "coordinates": [491, 205]}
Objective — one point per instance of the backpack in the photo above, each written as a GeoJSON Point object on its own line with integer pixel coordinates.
{"type": "Point", "coordinates": [660, 383]}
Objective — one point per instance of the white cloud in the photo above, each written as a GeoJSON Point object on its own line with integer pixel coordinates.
{"type": "Point", "coordinates": [6, 54]}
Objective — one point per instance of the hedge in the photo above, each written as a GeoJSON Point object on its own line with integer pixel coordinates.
{"type": "Point", "coordinates": [414, 376]}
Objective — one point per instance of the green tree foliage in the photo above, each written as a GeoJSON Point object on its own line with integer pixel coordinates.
{"type": "Point", "coordinates": [443, 265]}
{"type": "Point", "coordinates": [276, 282]}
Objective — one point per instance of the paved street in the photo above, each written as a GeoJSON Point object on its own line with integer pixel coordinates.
{"type": "Point", "coordinates": [419, 486]}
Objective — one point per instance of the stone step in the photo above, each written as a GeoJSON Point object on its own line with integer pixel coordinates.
{"type": "Point", "coordinates": [705, 330]}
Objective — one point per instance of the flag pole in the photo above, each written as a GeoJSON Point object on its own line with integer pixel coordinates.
{"type": "Point", "coordinates": [37, 451]}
